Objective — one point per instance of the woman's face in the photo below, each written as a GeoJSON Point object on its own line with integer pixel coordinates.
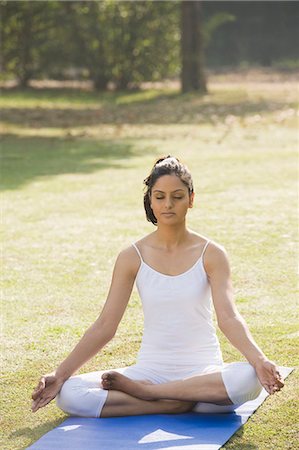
{"type": "Point", "coordinates": [170, 200]}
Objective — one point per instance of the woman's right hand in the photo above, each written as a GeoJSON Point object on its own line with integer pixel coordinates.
{"type": "Point", "coordinates": [48, 387]}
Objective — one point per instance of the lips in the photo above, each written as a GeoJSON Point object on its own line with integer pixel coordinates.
{"type": "Point", "coordinates": [168, 214]}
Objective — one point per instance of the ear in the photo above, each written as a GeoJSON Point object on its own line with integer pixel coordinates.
{"type": "Point", "coordinates": [191, 200]}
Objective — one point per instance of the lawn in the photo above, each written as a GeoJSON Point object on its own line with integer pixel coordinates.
{"type": "Point", "coordinates": [73, 163]}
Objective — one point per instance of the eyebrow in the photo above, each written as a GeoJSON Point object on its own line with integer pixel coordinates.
{"type": "Point", "coordinates": [177, 190]}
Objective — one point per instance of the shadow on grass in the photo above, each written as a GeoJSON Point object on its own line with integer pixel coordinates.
{"type": "Point", "coordinates": [88, 96]}
{"type": "Point", "coordinates": [35, 433]}
{"type": "Point", "coordinates": [153, 107]}
{"type": "Point", "coordinates": [27, 158]}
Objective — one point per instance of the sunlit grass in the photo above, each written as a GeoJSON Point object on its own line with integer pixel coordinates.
{"type": "Point", "coordinates": [72, 198]}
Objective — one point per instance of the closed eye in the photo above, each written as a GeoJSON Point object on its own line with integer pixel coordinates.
{"type": "Point", "coordinates": [176, 198]}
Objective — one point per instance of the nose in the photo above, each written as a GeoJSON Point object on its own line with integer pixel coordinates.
{"type": "Point", "coordinates": [168, 203]}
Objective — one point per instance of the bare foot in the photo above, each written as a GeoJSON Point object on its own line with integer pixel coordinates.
{"type": "Point", "coordinates": [118, 382]}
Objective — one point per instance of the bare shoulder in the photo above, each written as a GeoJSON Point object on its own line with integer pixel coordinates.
{"type": "Point", "coordinates": [216, 258]}
{"type": "Point", "coordinates": [128, 261]}
{"type": "Point", "coordinates": [214, 249]}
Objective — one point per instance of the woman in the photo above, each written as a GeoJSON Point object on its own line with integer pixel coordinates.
{"type": "Point", "coordinates": [179, 365]}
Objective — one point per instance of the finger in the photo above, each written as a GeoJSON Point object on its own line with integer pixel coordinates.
{"type": "Point", "coordinates": [36, 394]}
{"type": "Point", "coordinates": [34, 406]}
{"type": "Point", "coordinates": [277, 374]}
{"type": "Point", "coordinates": [40, 403]}
{"type": "Point", "coordinates": [275, 388]}
{"type": "Point", "coordinates": [280, 378]}
{"type": "Point", "coordinates": [39, 388]}
{"type": "Point", "coordinates": [267, 387]}
{"type": "Point", "coordinates": [274, 375]}
{"type": "Point", "coordinates": [45, 401]}
{"type": "Point", "coordinates": [41, 383]}
{"type": "Point", "coordinates": [280, 383]}
{"type": "Point", "coordinates": [278, 387]}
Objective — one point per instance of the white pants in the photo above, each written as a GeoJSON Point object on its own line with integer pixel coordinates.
{"type": "Point", "coordinates": [82, 395]}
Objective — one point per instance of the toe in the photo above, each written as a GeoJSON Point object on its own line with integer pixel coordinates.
{"type": "Point", "coordinates": [106, 385]}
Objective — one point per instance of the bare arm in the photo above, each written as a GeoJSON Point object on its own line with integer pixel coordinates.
{"type": "Point", "coordinates": [104, 328]}
{"type": "Point", "coordinates": [230, 321]}
{"type": "Point", "coordinates": [100, 332]}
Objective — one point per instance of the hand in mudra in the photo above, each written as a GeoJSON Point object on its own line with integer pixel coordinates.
{"type": "Point", "coordinates": [269, 376]}
{"type": "Point", "coordinates": [46, 390]}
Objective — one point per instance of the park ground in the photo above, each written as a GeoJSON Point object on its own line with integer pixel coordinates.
{"type": "Point", "coordinates": [73, 162]}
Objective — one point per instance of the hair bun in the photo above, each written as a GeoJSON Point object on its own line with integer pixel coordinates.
{"type": "Point", "coordinates": [169, 158]}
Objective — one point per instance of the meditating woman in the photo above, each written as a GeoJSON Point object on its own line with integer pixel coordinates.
{"type": "Point", "coordinates": [179, 275]}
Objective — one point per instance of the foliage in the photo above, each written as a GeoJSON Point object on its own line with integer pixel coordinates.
{"type": "Point", "coordinates": [31, 34]}
{"type": "Point", "coordinates": [127, 42]}
{"type": "Point", "coordinates": [120, 42]}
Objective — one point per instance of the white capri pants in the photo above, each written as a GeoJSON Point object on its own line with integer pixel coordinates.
{"type": "Point", "coordinates": [83, 396]}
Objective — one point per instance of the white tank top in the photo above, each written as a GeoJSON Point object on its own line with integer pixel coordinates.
{"type": "Point", "coordinates": [178, 318]}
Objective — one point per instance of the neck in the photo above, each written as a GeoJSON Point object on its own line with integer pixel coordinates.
{"type": "Point", "coordinates": [171, 237]}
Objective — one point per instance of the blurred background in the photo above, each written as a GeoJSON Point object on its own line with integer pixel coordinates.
{"type": "Point", "coordinates": [92, 93]}
{"type": "Point", "coordinates": [122, 44]}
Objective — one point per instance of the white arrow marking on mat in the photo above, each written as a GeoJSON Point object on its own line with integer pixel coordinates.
{"type": "Point", "coordinates": [161, 435]}
{"type": "Point", "coordinates": [69, 427]}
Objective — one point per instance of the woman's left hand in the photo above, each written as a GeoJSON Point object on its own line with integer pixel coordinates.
{"type": "Point", "coordinates": [269, 376]}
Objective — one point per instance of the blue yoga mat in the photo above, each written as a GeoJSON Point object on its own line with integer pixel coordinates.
{"type": "Point", "coordinates": [191, 431]}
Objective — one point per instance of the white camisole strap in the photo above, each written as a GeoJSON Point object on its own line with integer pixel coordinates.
{"type": "Point", "coordinates": [203, 252]}
{"type": "Point", "coordinates": [204, 249]}
{"type": "Point", "coordinates": [137, 250]}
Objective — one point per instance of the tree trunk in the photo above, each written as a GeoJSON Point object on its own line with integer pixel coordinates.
{"type": "Point", "coordinates": [192, 74]}
{"type": "Point", "coordinates": [23, 80]}
{"type": "Point", "coordinates": [122, 83]}
{"type": "Point", "coordinates": [100, 82]}
{"type": "Point", "coordinates": [24, 70]}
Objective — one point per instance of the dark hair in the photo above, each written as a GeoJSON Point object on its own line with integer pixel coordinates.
{"type": "Point", "coordinates": [167, 165]}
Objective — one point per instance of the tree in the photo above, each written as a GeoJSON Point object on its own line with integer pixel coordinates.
{"type": "Point", "coordinates": [31, 36]}
{"type": "Point", "coordinates": [192, 73]}
{"type": "Point", "coordinates": [143, 40]}
{"type": "Point", "coordinates": [123, 42]}
{"type": "Point", "coordinates": [106, 41]}
{"type": "Point", "coordinates": [128, 42]}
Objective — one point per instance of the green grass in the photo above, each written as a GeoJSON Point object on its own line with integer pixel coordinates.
{"type": "Point", "coordinates": [72, 169]}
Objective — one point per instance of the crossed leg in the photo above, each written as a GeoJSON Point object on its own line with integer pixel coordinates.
{"type": "Point", "coordinates": [122, 404]}
{"type": "Point", "coordinates": [207, 388]}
